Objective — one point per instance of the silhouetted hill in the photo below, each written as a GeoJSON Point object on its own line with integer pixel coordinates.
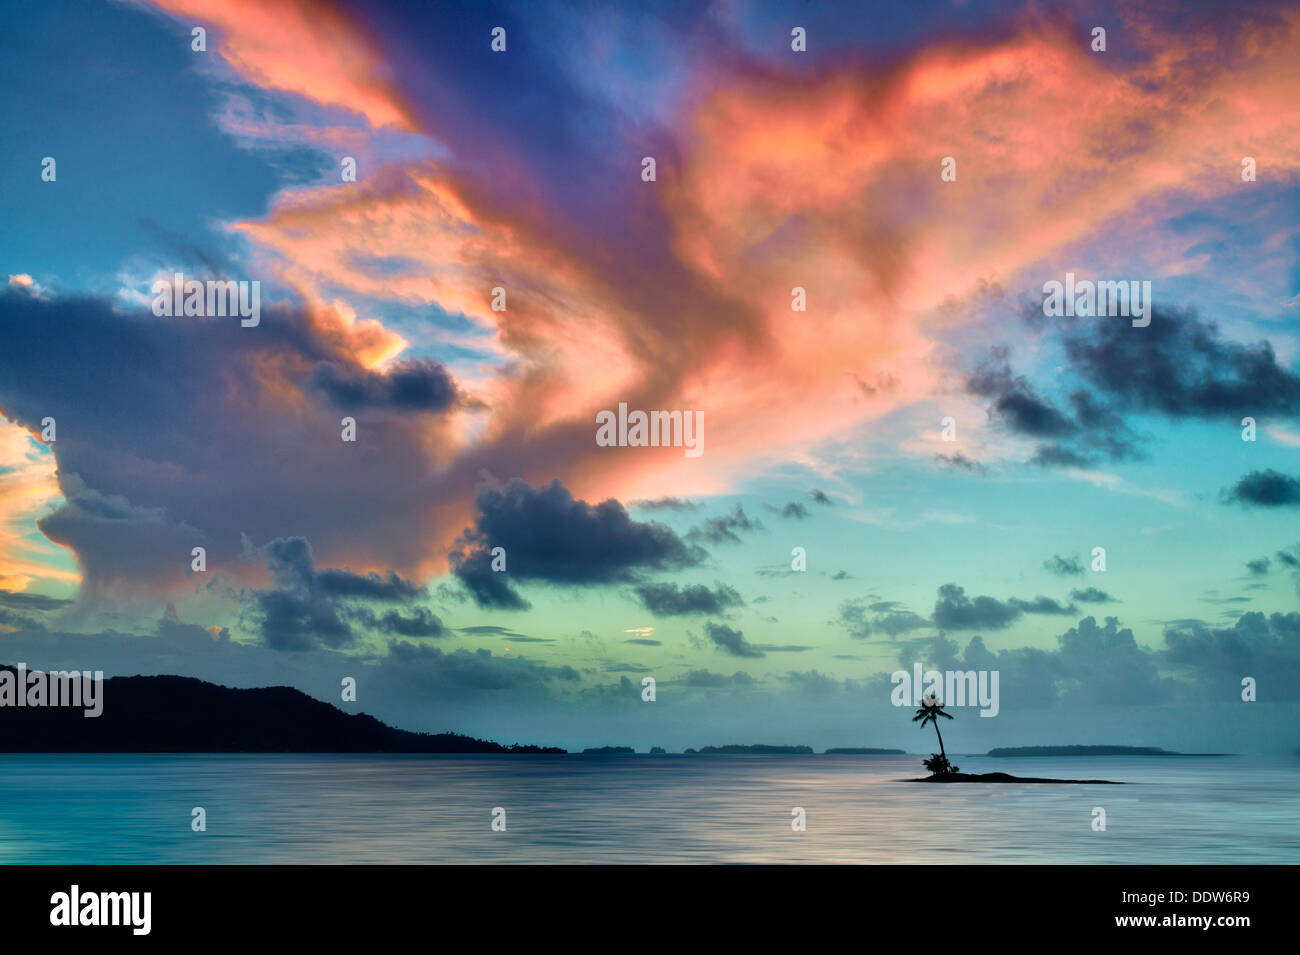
{"type": "Point", "coordinates": [609, 751]}
{"type": "Point", "coordinates": [863, 751]}
{"type": "Point", "coordinates": [1083, 751]}
{"type": "Point", "coordinates": [176, 714]}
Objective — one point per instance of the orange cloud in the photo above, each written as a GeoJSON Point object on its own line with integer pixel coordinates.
{"type": "Point", "coordinates": [311, 49]}
{"type": "Point", "coordinates": [831, 184]}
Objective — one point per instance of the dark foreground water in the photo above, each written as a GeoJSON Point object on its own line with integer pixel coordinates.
{"type": "Point", "coordinates": [411, 809]}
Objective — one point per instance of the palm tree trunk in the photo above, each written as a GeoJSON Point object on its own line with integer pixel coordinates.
{"type": "Point", "coordinates": [940, 735]}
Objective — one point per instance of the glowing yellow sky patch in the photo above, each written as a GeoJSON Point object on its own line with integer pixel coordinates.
{"type": "Point", "coordinates": [29, 490]}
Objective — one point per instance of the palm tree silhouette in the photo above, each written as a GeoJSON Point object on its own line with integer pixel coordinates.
{"type": "Point", "coordinates": [930, 711]}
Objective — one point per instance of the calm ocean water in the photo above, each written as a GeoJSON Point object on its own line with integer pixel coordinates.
{"type": "Point", "coordinates": [413, 809]}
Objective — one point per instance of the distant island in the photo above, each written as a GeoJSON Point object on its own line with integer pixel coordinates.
{"type": "Point", "coordinates": [755, 749]}
{"type": "Point", "coordinates": [1092, 751]}
{"type": "Point", "coordinates": [863, 751]}
{"type": "Point", "coordinates": [176, 714]}
{"type": "Point", "coordinates": [609, 751]}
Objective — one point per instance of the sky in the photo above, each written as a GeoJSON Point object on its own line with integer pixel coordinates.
{"type": "Point", "coordinates": [837, 265]}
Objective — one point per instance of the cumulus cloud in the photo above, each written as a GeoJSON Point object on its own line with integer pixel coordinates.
{"type": "Point", "coordinates": [309, 608]}
{"type": "Point", "coordinates": [1266, 488]}
{"type": "Point", "coordinates": [418, 385]}
{"type": "Point", "coordinates": [1063, 566]}
{"type": "Point", "coordinates": [723, 530]}
{"type": "Point", "coordinates": [1181, 366]}
{"type": "Point", "coordinates": [549, 536]}
{"type": "Point", "coordinates": [863, 616]}
{"type": "Point", "coordinates": [730, 641]}
{"type": "Point", "coordinates": [953, 610]}
{"type": "Point", "coordinates": [667, 599]}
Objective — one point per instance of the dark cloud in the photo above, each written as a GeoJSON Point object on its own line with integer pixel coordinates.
{"type": "Point", "coordinates": [1266, 648]}
{"type": "Point", "coordinates": [24, 601]}
{"type": "Point", "coordinates": [488, 587]}
{"type": "Point", "coordinates": [19, 621]}
{"type": "Point", "coordinates": [421, 623]}
{"type": "Point", "coordinates": [1258, 567]}
{"type": "Point", "coordinates": [889, 618]}
{"type": "Point", "coordinates": [792, 509]}
{"type": "Point", "coordinates": [551, 537]}
{"type": "Point", "coordinates": [461, 673]}
{"type": "Point", "coordinates": [730, 641]}
{"type": "Point", "coordinates": [899, 622]}
{"type": "Point", "coordinates": [1103, 664]}
{"type": "Point", "coordinates": [666, 600]}
{"type": "Point", "coordinates": [115, 540]}
{"type": "Point", "coordinates": [1043, 605]}
{"type": "Point", "coordinates": [1063, 566]}
{"type": "Point", "coordinates": [1055, 456]}
{"type": "Point", "coordinates": [960, 462]}
{"type": "Point", "coordinates": [1091, 595]}
{"type": "Point", "coordinates": [1267, 488]}
{"type": "Point", "coordinates": [720, 530]}
{"type": "Point", "coordinates": [224, 430]}
{"type": "Point", "coordinates": [665, 504]}
{"type": "Point", "coordinates": [820, 497]}
{"type": "Point", "coordinates": [953, 610]}
{"type": "Point", "coordinates": [1180, 366]}
{"type": "Point", "coordinates": [1094, 664]}
{"type": "Point", "coordinates": [292, 562]}
{"type": "Point", "coordinates": [300, 620]}
{"type": "Point", "coordinates": [309, 608]}
{"type": "Point", "coordinates": [415, 385]}
{"type": "Point", "coordinates": [1014, 400]}
{"type": "Point", "coordinates": [853, 618]}
{"type": "Point", "coordinates": [1087, 432]}
{"type": "Point", "coordinates": [370, 586]}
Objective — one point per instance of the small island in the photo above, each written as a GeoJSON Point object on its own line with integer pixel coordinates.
{"type": "Point", "coordinates": [1081, 751]}
{"type": "Point", "coordinates": [755, 749]}
{"type": "Point", "coordinates": [1003, 778]}
{"type": "Point", "coordinates": [942, 770]}
{"type": "Point", "coordinates": [609, 751]}
{"type": "Point", "coordinates": [863, 751]}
